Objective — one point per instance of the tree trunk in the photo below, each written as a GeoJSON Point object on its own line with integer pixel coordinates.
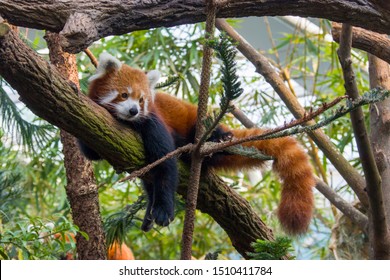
{"type": "Point", "coordinates": [81, 187]}
{"type": "Point", "coordinates": [380, 135]}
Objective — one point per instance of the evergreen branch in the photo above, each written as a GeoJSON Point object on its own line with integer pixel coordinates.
{"type": "Point", "coordinates": [117, 224]}
{"type": "Point", "coordinates": [249, 152]}
{"type": "Point", "coordinates": [170, 81]}
{"type": "Point", "coordinates": [226, 52]}
{"type": "Point", "coordinates": [271, 250]}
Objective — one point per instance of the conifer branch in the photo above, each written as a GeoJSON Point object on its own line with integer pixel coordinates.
{"type": "Point", "coordinates": [226, 52]}
{"type": "Point", "coordinates": [170, 81]}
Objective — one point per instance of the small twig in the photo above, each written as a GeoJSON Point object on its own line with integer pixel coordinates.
{"type": "Point", "coordinates": [141, 172]}
{"type": "Point", "coordinates": [93, 59]}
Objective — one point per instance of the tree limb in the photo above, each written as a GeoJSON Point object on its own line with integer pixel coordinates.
{"type": "Point", "coordinates": [83, 22]}
{"type": "Point", "coordinates": [371, 42]}
{"type": "Point", "coordinates": [380, 134]}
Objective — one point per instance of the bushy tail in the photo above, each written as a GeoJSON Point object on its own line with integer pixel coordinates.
{"type": "Point", "coordinates": [292, 165]}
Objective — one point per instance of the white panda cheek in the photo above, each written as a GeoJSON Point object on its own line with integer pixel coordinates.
{"type": "Point", "coordinates": [122, 109]}
{"type": "Point", "coordinates": [146, 109]}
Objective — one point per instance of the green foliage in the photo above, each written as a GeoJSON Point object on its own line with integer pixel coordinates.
{"type": "Point", "coordinates": [30, 135]}
{"type": "Point", "coordinates": [118, 224]}
{"type": "Point", "coordinates": [271, 250]}
{"type": "Point", "coordinates": [35, 239]}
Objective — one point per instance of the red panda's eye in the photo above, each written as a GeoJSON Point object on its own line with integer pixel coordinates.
{"type": "Point", "coordinates": [124, 95]}
{"type": "Point", "coordinates": [141, 100]}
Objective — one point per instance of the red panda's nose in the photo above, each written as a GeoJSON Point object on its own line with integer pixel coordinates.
{"type": "Point", "coordinates": [133, 111]}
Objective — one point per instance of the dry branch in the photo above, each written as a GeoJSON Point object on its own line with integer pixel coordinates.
{"type": "Point", "coordinates": [83, 22]}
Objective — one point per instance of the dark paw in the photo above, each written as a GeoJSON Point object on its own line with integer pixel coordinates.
{"type": "Point", "coordinates": [219, 135]}
{"type": "Point", "coordinates": [147, 223]}
{"type": "Point", "coordinates": [163, 215]}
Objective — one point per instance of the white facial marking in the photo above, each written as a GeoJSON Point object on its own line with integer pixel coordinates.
{"type": "Point", "coordinates": [108, 98]}
{"type": "Point", "coordinates": [153, 77]}
{"type": "Point", "coordinates": [122, 109]}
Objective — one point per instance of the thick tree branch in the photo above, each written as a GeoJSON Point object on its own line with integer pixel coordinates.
{"type": "Point", "coordinates": [353, 178]}
{"type": "Point", "coordinates": [49, 96]}
{"type": "Point", "coordinates": [371, 42]}
{"type": "Point", "coordinates": [83, 22]}
{"type": "Point", "coordinates": [380, 240]}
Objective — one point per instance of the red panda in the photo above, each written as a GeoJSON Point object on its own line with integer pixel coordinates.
{"type": "Point", "coordinates": [129, 95]}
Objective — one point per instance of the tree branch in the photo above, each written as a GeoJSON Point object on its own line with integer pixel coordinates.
{"type": "Point", "coordinates": [353, 178]}
{"type": "Point", "coordinates": [83, 22]}
{"type": "Point", "coordinates": [379, 229]}
{"type": "Point", "coordinates": [371, 42]}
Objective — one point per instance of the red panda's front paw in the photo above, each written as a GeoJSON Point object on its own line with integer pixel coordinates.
{"type": "Point", "coordinates": [163, 215]}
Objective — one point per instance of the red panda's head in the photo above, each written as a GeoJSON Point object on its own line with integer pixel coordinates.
{"type": "Point", "coordinates": [125, 91]}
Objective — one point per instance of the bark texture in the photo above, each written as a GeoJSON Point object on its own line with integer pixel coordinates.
{"type": "Point", "coordinates": [380, 135]}
{"type": "Point", "coordinates": [371, 42]}
{"type": "Point", "coordinates": [83, 22]}
{"type": "Point", "coordinates": [81, 188]}
{"type": "Point", "coordinates": [51, 97]}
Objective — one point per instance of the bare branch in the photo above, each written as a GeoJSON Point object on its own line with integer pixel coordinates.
{"type": "Point", "coordinates": [345, 207]}
{"type": "Point", "coordinates": [141, 172]}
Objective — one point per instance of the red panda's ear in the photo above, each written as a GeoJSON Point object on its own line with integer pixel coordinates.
{"type": "Point", "coordinates": [153, 77]}
{"type": "Point", "coordinates": [107, 63]}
